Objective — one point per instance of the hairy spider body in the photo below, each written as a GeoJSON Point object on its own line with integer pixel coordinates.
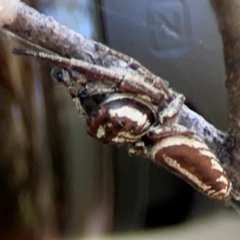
{"type": "Point", "coordinates": [123, 118]}
{"type": "Point", "coordinates": [126, 118]}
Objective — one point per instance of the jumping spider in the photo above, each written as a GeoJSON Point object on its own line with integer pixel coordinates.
{"type": "Point", "coordinates": [128, 108]}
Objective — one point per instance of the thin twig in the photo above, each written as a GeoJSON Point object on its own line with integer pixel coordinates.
{"type": "Point", "coordinates": [48, 33]}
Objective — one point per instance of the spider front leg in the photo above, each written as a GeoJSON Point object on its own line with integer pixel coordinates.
{"type": "Point", "coordinates": [162, 128]}
{"type": "Point", "coordinates": [171, 110]}
{"type": "Point", "coordinates": [155, 134]}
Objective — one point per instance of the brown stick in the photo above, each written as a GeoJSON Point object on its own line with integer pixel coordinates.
{"type": "Point", "coordinates": [228, 16]}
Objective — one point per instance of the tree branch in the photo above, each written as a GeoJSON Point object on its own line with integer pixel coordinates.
{"type": "Point", "coordinates": [228, 13]}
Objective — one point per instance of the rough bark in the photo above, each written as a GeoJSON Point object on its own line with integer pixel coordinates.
{"type": "Point", "coordinates": [228, 16]}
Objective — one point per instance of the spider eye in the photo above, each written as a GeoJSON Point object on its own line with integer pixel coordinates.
{"type": "Point", "coordinates": [60, 74]}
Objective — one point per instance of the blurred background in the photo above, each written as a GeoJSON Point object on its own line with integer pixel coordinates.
{"type": "Point", "coordinates": [56, 182]}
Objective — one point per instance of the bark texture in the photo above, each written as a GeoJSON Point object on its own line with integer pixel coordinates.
{"type": "Point", "coordinates": [228, 16]}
